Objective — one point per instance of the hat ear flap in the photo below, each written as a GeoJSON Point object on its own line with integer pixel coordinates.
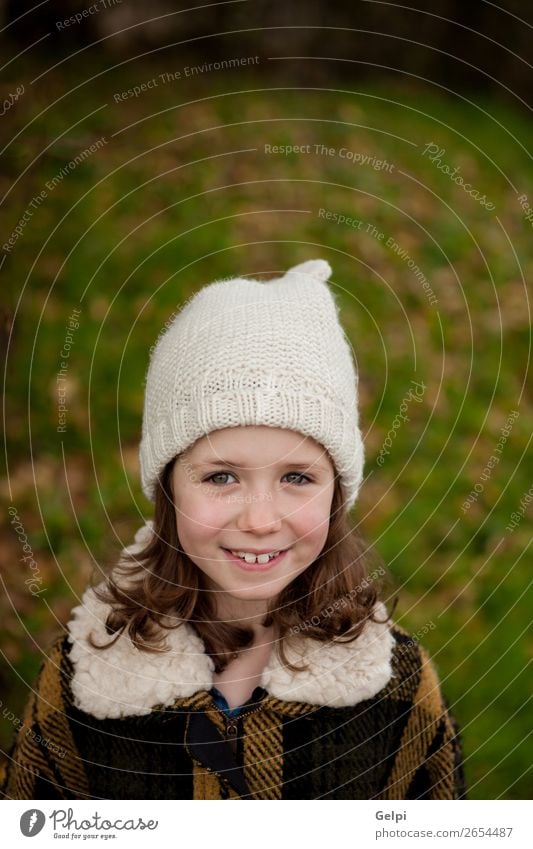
{"type": "Point", "coordinates": [319, 269]}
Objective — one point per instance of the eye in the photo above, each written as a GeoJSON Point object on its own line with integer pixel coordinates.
{"type": "Point", "coordinates": [217, 475]}
{"type": "Point", "coordinates": [299, 475]}
{"type": "Point", "coordinates": [211, 479]}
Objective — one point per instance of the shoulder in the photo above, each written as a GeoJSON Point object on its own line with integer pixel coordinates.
{"type": "Point", "coordinates": [415, 677]}
{"type": "Point", "coordinates": [49, 696]}
{"type": "Point", "coordinates": [52, 690]}
{"type": "Point", "coordinates": [43, 758]}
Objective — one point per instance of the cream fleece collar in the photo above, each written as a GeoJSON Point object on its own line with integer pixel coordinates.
{"type": "Point", "coordinates": [125, 681]}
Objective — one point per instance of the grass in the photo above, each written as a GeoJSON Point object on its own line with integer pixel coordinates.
{"type": "Point", "coordinates": [165, 207]}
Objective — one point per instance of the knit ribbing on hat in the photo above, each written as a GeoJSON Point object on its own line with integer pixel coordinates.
{"type": "Point", "coordinates": [249, 352]}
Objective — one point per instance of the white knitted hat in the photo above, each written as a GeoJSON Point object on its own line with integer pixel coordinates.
{"type": "Point", "coordinates": [250, 352]}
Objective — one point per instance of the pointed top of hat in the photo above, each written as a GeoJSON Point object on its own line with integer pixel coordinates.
{"type": "Point", "coordinates": [319, 269]}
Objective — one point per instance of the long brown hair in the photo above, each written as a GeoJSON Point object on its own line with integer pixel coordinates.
{"type": "Point", "coordinates": [330, 600]}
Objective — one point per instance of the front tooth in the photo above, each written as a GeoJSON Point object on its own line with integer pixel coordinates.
{"type": "Point", "coordinates": [251, 558]}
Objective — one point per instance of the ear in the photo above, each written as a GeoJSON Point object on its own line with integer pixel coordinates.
{"type": "Point", "coordinates": [317, 268]}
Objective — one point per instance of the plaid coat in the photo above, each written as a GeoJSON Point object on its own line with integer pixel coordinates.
{"type": "Point", "coordinates": [365, 720]}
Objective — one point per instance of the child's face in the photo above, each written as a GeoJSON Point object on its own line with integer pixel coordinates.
{"type": "Point", "coordinates": [279, 498]}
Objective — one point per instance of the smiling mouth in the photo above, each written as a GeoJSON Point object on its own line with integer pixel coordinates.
{"type": "Point", "coordinates": [255, 564]}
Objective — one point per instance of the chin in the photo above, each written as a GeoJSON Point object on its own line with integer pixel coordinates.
{"type": "Point", "coordinates": [251, 594]}
{"type": "Point", "coordinates": [265, 593]}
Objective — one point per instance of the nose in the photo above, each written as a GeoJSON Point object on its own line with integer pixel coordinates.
{"type": "Point", "coordinates": [258, 515]}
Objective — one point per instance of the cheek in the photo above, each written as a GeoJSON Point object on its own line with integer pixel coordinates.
{"type": "Point", "coordinates": [199, 515]}
{"type": "Point", "coordinates": [312, 530]}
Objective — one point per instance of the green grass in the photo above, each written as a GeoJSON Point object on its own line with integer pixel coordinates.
{"type": "Point", "coordinates": [142, 251]}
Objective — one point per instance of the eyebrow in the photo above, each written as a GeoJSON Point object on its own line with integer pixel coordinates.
{"type": "Point", "coordinates": [294, 463]}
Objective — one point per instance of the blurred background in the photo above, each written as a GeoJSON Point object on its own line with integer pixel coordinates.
{"type": "Point", "coordinates": [147, 150]}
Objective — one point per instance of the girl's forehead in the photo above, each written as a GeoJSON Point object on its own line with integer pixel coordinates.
{"type": "Point", "coordinates": [258, 437]}
{"type": "Point", "coordinates": [249, 443]}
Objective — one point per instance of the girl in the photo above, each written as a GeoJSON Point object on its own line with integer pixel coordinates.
{"type": "Point", "coordinates": [239, 649]}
